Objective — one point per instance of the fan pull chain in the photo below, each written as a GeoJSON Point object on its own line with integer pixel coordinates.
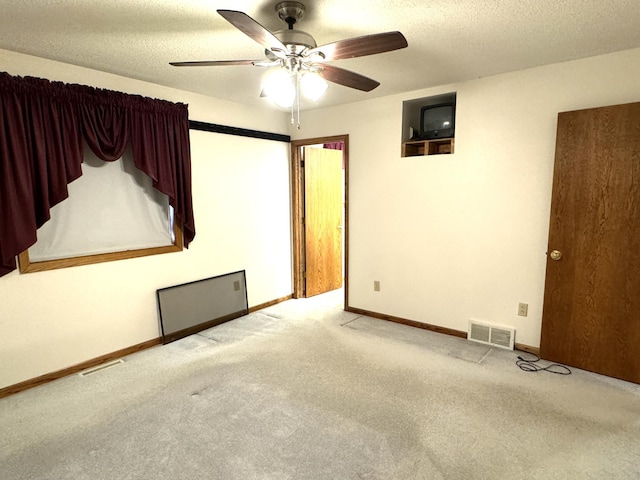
{"type": "Point", "coordinates": [298, 97]}
{"type": "Point", "coordinates": [293, 104]}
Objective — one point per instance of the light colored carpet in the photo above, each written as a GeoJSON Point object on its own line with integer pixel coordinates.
{"type": "Point", "coordinates": [304, 390]}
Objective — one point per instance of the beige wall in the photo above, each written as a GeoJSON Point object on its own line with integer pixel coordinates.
{"type": "Point", "coordinates": [450, 238]}
{"type": "Point", "coordinates": [460, 237]}
{"type": "Point", "coordinates": [241, 193]}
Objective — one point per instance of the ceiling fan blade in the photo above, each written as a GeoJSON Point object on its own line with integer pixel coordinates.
{"type": "Point", "coordinates": [360, 46]}
{"type": "Point", "coordinates": [253, 29]}
{"type": "Point", "coordinates": [215, 63]}
{"type": "Point", "coordinates": [347, 78]}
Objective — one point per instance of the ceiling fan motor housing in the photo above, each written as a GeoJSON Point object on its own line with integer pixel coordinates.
{"type": "Point", "coordinates": [296, 38]}
{"type": "Point", "coordinates": [296, 41]}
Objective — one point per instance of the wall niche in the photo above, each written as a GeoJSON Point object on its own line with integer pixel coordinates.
{"type": "Point", "coordinates": [434, 140]}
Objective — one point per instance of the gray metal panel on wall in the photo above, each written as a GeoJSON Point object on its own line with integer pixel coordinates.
{"type": "Point", "coordinates": [191, 307]}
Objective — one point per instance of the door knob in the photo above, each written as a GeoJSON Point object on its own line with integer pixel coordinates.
{"type": "Point", "coordinates": [555, 255]}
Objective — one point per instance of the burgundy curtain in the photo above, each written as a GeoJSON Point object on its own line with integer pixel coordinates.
{"type": "Point", "coordinates": [42, 125]}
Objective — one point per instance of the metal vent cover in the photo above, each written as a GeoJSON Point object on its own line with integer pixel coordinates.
{"type": "Point", "coordinates": [101, 367]}
{"type": "Point", "coordinates": [498, 336]}
{"type": "Point", "coordinates": [481, 333]}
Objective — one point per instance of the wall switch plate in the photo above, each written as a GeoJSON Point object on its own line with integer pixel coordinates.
{"type": "Point", "coordinates": [376, 285]}
{"type": "Point", "coordinates": [523, 309]}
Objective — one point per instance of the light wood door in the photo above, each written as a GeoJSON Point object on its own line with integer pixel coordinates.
{"type": "Point", "coordinates": [323, 220]}
{"type": "Point", "coordinates": [591, 315]}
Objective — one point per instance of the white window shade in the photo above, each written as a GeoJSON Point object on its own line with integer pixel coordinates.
{"type": "Point", "coordinates": [112, 207]}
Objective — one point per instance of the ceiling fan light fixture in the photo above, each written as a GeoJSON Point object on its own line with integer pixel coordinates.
{"type": "Point", "coordinates": [279, 87]}
{"type": "Point", "coordinates": [313, 86]}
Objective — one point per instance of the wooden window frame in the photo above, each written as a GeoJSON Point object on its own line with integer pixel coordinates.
{"type": "Point", "coordinates": [27, 266]}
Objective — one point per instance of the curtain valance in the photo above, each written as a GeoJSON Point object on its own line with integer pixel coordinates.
{"type": "Point", "coordinates": [42, 125]}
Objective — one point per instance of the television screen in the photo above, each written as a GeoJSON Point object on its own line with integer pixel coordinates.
{"type": "Point", "coordinates": [437, 121]}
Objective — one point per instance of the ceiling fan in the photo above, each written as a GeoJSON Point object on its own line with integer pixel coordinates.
{"type": "Point", "coordinates": [297, 53]}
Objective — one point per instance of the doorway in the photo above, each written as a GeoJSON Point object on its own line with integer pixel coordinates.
{"type": "Point", "coordinates": [320, 238]}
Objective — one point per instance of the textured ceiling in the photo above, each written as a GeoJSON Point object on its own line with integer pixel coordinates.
{"type": "Point", "coordinates": [449, 40]}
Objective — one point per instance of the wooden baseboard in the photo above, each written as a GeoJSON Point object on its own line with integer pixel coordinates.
{"type": "Point", "coordinates": [50, 377]}
{"type": "Point", "coordinates": [528, 349]}
{"type": "Point", "coordinates": [412, 323]}
{"type": "Point", "coordinates": [433, 328]}
{"type": "Point", "coordinates": [270, 304]}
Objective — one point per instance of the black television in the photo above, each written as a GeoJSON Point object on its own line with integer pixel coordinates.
{"type": "Point", "coordinates": [437, 121]}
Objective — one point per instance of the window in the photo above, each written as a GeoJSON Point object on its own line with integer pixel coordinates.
{"type": "Point", "coordinates": [112, 213]}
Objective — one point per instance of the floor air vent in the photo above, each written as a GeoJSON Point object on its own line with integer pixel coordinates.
{"type": "Point", "coordinates": [486, 333]}
{"type": "Point", "coordinates": [101, 367]}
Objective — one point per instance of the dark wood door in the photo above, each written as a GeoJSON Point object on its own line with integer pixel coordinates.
{"type": "Point", "coordinates": [323, 220]}
{"type": "Point", "coordinates": [591, 315]}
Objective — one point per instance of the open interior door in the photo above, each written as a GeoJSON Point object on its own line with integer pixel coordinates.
{"type": "Point", "coordinates": [591, 315]}
{"type": "Point", "coordinates": [323, 206]}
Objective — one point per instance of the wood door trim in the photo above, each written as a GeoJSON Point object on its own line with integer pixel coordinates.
{"type": "Point", "coordinates": [297, 197]}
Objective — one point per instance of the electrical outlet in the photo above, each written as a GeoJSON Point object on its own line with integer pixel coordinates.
{"type": "Point", "coordinates": [523, 309]}
{"type": "Point", "coordinates": [376, 285]}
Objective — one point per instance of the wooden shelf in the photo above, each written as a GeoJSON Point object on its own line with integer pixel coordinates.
{"type": "Point", "coordinates": [436, 146]}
